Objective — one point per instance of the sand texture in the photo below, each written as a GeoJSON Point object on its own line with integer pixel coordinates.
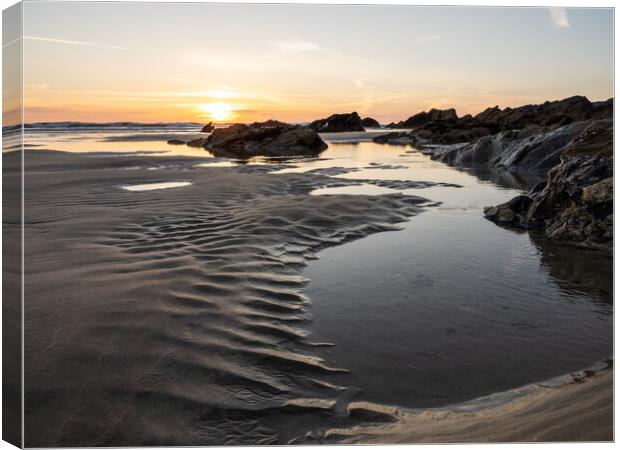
{"type": "Point", "coordinates": [182, 304]}
{"type": "Point", "coordinates": [577, 411]}
{"type": "Point", "coordinates": [177, 317]}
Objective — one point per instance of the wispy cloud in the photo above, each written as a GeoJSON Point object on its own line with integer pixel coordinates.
{"type": "Point", "coordinates": [425, 39]}
{"type": "Point", "coordinates": [298, 45]}
{"type": "Point", "coordinates": [559, 17]}
{"type": "Point", "coordinates": [69, 42]}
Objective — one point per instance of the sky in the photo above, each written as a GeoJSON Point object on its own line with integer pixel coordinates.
{"type": "Point", "coordinates": [199, 62]}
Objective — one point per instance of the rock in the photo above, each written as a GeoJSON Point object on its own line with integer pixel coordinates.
{"type": "Point", "coordinates": [598, 193]}
{"type": "Point", "coordinates": [337, 123]}
{"type": "Point", "coordinates": [423, 118]}
{"type": "Point", "coordinates": [264, 139]}
{"type": "Point", "coordinates": [395, 137]}
{"type": "Point", "coordinates": [369, 122]}
{"type": "Point", "coordinates": [444, 126]}
{"type": "Point", "coordinates": [512, 213]}
{"type": "Point", "coordinates": [199, 142]}
{"type": "Point", "coordinates": [576, 202]}
{"type": "Point", "coordinates": [271, 123]}
{"type": "Point", "coordinates": [208, 128]}
{"type": "Point", "coordinates": [603, 110]}
{"type": "Point", "coordinates": [556, 113]}
{"type": "Point", "coordinates": [176, 142]}
{"type": "Point", "coordinates": [531, 151]}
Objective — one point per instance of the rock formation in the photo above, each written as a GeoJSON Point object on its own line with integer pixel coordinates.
{"type": "Point", "coordinates": [564, 148]}
{"type": "Point", "coordinates": [445, 127]}
{"type": "Point", "coordinates": [531, 150]}
{"type": "Point", "coordinates": [208, 128]}
{"type": "Point", "coordinates": [337, 123]}
{"type": "Point", "coordinates": [269, 138]}
{"type": "Point", "coordinates": [369, 122]}
{"type": "Point", "coordinates": [575, 203]}
{"type": "Point", "coordinates": [394, 138]}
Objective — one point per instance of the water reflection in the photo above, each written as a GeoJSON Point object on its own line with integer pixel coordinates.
{"type": "Point", "coordinates": [574, 269]}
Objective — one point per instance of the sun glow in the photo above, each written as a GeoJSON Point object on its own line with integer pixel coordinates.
{"type": "Point", "coordinates": [217, 111]}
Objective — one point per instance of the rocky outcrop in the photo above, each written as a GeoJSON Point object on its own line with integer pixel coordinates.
{"type": "Point", "coordinates": [445, 127]}
{"type": "Point", "coordinates": [394, 138]}
{"type": "Point", "coordinates": [208, 128]}
{"type": "Point", "coordinates": [337, 123]}
{"type": "Point", "coordinates": [369, 122]}
{"type": "Point", "coordinates": [423, 118]}
{"type": "Point", "coordinates": [556, 113]}
{"type": "Point", "coordinates": [269, 138]}
{"type": "Point", "coordinates": [532, 150]}
{"type": "Point", "coordinates": [575, 203]}
{"type": "Point", "coordinates": [562, 148]}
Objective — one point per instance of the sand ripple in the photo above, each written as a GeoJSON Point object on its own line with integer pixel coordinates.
{"type": "Point", "coordinates": [176, 317]}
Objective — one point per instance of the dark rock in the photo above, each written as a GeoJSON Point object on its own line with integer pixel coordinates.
{"type": "Point", "coordinates": [270, 124]}
{"type": "Point", "coordinates": [369, 122]}
{"type": "Point", "coordinates": [269, 138]}
{"type": "Point", "coordinates": [556, 113]}
{"type": "Point", "coordinates": [208, 128]}
{"type": "Point", "coordinates": [198, 142]}
{"type": "Point", "coordinates": [576, 202]}
{"type": "Point", "coordinates": [530, 150]}
{"type": "Point", "coordinates": [603, 110]}
{"type": "Point", "coordinates": [176, 142]}
{"type": "Point", "coordinates": [338, 123]}
{"type": "Point", "coordinates": [444, 126]}
{"type": "Point", "coordinates": [395, 137]}
{"type": "Point", "coordinates": [512, 213]}
{"type": "Point", "coordinates": [423, 118]}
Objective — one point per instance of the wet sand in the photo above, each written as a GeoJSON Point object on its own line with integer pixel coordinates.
{"type": "Point", "coordinates": [577, 411]}
{"type": "Point", "coordinates": [177, 316]}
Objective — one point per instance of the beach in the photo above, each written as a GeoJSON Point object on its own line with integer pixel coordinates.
{"type": "Point", "coordinates": [187, 287]}
{"type": "Point", "coordinates": [576, 411]}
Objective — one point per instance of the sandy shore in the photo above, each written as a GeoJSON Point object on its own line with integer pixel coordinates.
{"type": "Point", "coordinates": [577, 411]}
{"type": "Point", "coordinates": [176, 317]}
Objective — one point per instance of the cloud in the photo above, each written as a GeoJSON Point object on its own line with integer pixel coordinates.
{"type": "Point", "coordinates": [82, 43]}
{"type": "Point", "coordinates": [425, 39]}
{"type": "Point", "coordinates": [559, 17]}
{"type": "Point", "coordinates": [298, 45]}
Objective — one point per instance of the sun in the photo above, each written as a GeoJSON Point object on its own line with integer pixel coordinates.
{"type": "Point", "coordinates": [217, 111]}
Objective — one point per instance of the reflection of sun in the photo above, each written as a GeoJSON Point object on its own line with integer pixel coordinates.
{"type": "Point", "coordinates": [217, 111]}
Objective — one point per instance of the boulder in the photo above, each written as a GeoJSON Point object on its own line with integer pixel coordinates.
{"type": "Point", "coordinates": [208, 128]}
{"type": "Point", "coordinates": [264, 139]}
{"type": "Point", "coordinates": [337, 123]}
{"type": "Point", "coordinates": [369, 122]}
{"type": "Point", "coordinates": [512, 213]}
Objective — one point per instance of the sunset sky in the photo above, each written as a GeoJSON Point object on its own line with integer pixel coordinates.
{"type": "Point", "coordinates": [231, 62]}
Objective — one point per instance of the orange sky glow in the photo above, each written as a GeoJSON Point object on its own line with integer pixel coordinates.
{"type": "Point", "coordinates": [158, 62]}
